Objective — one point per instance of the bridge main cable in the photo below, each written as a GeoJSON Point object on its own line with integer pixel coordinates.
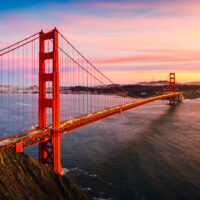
{"type": "Point", "coordinates": [17, 43]}
{"type": "Point", "coordinates": [90, 73]}
{"type": "Point", "coordinates": [125, 91]}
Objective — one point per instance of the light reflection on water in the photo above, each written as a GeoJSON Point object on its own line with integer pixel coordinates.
{"type": "Point", "coordinates": [150, 152]}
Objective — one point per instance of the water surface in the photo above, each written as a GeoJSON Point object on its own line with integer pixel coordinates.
{"type": "Point", "coordinates": [150, 152]}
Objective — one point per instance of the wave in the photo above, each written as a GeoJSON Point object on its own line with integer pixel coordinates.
{"type": "Point", "coordinates": [86, 189]}
{"type": "Point", "coordinates": [66, 170]}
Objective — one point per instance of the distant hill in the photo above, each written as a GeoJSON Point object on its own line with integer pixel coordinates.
{"type": "Point", "coordinates": [191, 83]}
{"type": "Point", "coordinates": [153, 83]}
{"type": "Point", "coordinates": [160, 83]}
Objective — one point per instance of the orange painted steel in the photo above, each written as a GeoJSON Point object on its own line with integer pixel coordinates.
{"type": "Point", "coordinates": [19, 147]}
{"type": "Point", "coordinates": [49, 150]}
{"type": "Point", "coordinates": [38, 136]}
{"type": "Point", "coordinates": [172, 88]}
{"type": "Point", "coordinates": [49, 136]}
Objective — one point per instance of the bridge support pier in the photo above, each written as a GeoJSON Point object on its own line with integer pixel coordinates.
{"type": "Point", "coordinates": [56, 139]}
{"type": "Point", "coordinates": [179, 98]}
{"type": "Point", "coordinates": [49, 151]}
{"type": "Point", "coordinates": [18, 147]}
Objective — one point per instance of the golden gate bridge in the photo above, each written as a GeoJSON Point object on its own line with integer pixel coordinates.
{"type": "Point", "coordinates": [48, 88]}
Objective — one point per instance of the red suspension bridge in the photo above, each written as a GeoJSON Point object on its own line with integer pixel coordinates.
{"type": "Point", "coordinates": [49, 88]}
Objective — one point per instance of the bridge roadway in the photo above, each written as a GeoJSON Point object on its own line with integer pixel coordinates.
{"type": "Point", "coordinates": [38, 135]}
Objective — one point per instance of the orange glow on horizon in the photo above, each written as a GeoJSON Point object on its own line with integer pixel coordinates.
{"type": "Point", "coordinates": [129, 77]}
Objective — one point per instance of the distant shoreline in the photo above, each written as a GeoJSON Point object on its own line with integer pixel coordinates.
{"type": "Point", "coordinates": [143, 91]}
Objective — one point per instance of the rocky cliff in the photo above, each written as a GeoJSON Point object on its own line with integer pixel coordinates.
{"type": "Point", "coordinates": [22, 177]}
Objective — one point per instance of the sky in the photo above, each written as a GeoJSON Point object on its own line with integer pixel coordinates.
{"type": "Point", "coordinates": [129, 41]}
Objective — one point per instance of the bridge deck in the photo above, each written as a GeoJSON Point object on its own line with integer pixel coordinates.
{"type": "Point", "coordinates": [36, 136]}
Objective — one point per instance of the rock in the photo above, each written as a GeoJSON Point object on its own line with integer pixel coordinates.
{"type": "Point", "coordinates": [22, 177]}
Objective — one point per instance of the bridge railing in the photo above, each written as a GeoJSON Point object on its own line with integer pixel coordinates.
{"type": "Point", "coordinates": [83, 88]}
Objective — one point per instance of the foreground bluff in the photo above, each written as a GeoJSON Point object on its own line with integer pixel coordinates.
{"type": "Point", "coordinates": [22, 177]}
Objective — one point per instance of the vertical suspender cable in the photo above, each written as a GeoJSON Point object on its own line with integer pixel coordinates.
{"type": "Point", "coordinates": [1, 99]}
{"type": "Point", "coordinates": [8, 95]}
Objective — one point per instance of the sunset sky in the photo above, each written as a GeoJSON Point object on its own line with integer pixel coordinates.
{"type": "Point", "coordinates": [130, 41]}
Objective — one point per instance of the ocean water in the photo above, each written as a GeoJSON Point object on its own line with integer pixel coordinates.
{"type": "Point", "coordinates": [150, 152]}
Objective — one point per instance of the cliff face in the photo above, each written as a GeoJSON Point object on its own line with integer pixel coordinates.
{"type": "Point", "coordinates": [22, 177]}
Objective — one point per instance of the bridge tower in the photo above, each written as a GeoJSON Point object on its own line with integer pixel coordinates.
{"type": "Point", "coordinates": [49, 150]}
{"type": "Point", "coordinates": [172, 88]}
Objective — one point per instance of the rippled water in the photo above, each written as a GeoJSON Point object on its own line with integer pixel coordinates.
{"type": "Point", "coordinates": [150, 152]}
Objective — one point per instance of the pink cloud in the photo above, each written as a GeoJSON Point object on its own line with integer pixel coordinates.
{"type": "Point", "coordinates": [177, 52]}
{"type": "Point", "coordinates": [127, 22]}
{"type": "Point", "coordinates": [135, 31]}
{"type": "Point", "coordinates": [170, 6]}
{"type": "Point", "coordinates": [147, 58]}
